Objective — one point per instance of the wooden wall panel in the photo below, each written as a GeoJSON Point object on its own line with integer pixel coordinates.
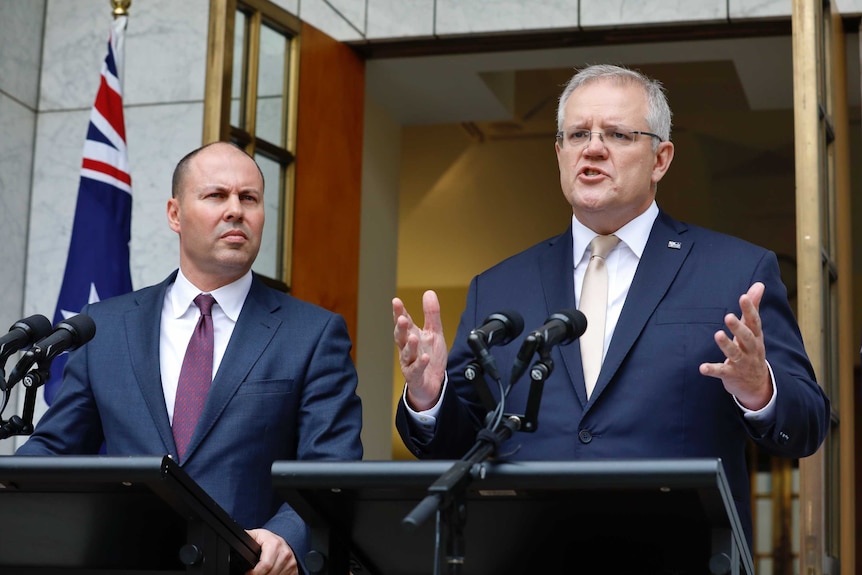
{"type": "Point", "coordinates": [325, 268]}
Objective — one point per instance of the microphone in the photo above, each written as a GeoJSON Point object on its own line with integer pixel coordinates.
{"type": "Point", "coordinates": [68, 335]}
{"type": "Point", "coordinates": [23, 333]}
{"type": "Point", "coordinates": [497, 329]}
{"type": "Point", "coordinates": [561, 328]}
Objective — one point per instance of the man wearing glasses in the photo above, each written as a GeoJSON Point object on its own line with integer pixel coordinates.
{"type": "Point", "coordinates": [693, 351]}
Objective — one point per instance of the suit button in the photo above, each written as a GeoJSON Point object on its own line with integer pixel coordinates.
{"type": "Point", "coordinates": [585, 436]}
{"type": "Point", "coordinates": [783, 437]}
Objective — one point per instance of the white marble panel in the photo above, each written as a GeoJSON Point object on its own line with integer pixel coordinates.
{"type": "Point", "coordinates": [481, 16]}
{"type": "Point", "coordinates": [20, 49]}
{"type": "Point", "coordinates": [158, 137]}
{"type": "Point", "coordinates": [848, 7]}
{"type": "Point", "coordinates": [326, 18]}
{"type": "Point", "coordinates": [56, 167]}
{"type": "Point", "coordinates": [76, 36]}
{"type": "Point", "coordinates": [165, 52]}
{"type": "Point", "coordinates": [291, 6]}
{"type": "Point", "coordinates": [353, 11]}
{"type": "Point", "coordinates": [613, 13]}
{"type": "Point", "coordinates": [16, 160]}
{"type": "Point", "coordinates": [400, 19]}
{"type": "Point", "coordinates": [754, 9]}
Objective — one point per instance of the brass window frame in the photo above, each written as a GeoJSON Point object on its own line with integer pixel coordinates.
{"type": "Point", "coordinates": [217, 101]}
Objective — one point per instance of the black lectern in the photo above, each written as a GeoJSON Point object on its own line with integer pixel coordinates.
{"type": "Point", "coordinates": [113, 515]}
{"type": "Point", "coordinates": [626, 517]}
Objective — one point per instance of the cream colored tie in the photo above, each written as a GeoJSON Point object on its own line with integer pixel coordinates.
{"type": "Point", "coordinates": [594, 305]}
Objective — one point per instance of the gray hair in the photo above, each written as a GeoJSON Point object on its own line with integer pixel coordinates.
{"type": "Point", "coordinates": [658, 115]}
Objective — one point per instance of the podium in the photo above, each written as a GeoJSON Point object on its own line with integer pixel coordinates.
{"type": "Point", "coordinates": [113, 515]}
{"type": "Point", "coordinates": [621, 516]}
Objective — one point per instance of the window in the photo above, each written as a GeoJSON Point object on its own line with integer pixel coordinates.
{"type": "Point", "coordinates": [251, 93]}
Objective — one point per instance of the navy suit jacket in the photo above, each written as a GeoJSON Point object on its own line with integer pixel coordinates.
{"type": "Point", "coordinates": [285, 390]}
{"type": "Point", "coordinates": [650, 400]}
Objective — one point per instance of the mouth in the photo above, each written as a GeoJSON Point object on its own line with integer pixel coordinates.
{"type": "Point", "coordinates": [234, 235]}
{"type": "Point", "coordinates": [590, 171]}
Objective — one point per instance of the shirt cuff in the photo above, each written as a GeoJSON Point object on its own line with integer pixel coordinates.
{"type": "Point", "coordinates": [766, 414]}
{"type": "Point", "coordinates": [423, 424]}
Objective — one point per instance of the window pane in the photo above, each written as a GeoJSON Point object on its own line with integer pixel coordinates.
{"type": "Point", "coordinates": [237, 83]}
{"type": "Point", "coordinates": [268, 260]}
{"type": "Point", "coordinates": [763, 537]}
{"type": "Point", "coordinates": [270, 86]}
{"type": "Point", "coordinates": [763, 482]}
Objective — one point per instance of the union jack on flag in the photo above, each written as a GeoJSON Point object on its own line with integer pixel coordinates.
{"type": "Point", "coordinates": [97, 266]}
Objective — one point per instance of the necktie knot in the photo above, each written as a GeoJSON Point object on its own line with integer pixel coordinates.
{"type": "Point", "coordinates": [601, 246]}
{"type": "Point", "coordinates": [205, 303]}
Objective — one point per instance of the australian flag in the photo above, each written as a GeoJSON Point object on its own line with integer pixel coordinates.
{"type": "Point", "coordinates": [97, 266]}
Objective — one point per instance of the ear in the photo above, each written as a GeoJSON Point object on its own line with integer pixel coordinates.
{"type": "Point", "coordinates": [173, 212]}
{"type": "Point", "coordinates": [663, 158]}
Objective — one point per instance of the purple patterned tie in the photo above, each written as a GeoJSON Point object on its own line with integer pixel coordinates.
{"type": "Point", "coordinates": [196, 377]}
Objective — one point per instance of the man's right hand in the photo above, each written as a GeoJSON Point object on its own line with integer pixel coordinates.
{"type": "Point", "coordinates": [422, 353]}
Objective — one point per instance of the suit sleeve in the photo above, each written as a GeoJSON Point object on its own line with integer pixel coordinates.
{"type": "Point", "coordinates": [72, 425]}
{"type": "Point", "coordinates": [802, 413]}
{"type": "Point", "coordinates": [330, 417]}
{"type": "Point", "coordinates": [330, 420]}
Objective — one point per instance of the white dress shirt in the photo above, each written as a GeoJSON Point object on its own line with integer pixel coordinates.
{"type": "Point", "coordinates": [179, 318]}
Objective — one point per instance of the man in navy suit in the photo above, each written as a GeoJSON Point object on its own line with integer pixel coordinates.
{"type": "Point", "coordinates": [284, 385]}
{"type": "Point", "coordinates": [674, 383]}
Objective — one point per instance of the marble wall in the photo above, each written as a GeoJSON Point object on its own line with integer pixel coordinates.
{"type": "Point", "coordinates": [20, 55]}
{"type": "Point", "coordinates": [165, 54]}
{"type": "Point", "coordinates": [361, 21]}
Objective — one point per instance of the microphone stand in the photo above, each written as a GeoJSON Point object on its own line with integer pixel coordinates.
{"type": "Point", "coordinates": [446, 495]}
{"type": "Point", "coordinates": [23, 425]}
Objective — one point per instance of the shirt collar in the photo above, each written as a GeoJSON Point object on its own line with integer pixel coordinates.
{"type": "Point", "coordinates": [634, 234]}
{"type": "Point", "coordinates": [230, 297]}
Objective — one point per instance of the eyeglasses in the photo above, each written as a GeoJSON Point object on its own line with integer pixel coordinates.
{"type": "Point", "coordinates": [611, 137]}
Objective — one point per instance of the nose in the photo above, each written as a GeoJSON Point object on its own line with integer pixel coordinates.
{"type": "Point", "coordinates": [595, 145]}
{"type": "Point", "coordinates": [233, 208]}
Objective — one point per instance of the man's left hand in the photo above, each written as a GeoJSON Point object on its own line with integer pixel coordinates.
{"type": "Point", "coordinates": [744, 373]}
{"type": "Point", "coordinates": [276, 556]}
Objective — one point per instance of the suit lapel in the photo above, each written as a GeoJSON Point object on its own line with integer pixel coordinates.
{"type": "Point", "coordinates": [557, 272]}
{"type": "Point", "coordinates": [143, 324]}
{"type": "Point", "coordinates": [253, 332]}
{"type": "Point", "coordinates": [665, 252]}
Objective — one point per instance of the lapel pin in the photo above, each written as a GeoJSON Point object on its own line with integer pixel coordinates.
{"type": "Point", "coordinates": [674, 245]}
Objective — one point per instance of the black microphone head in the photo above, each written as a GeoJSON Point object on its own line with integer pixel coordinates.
{"type": "Point", "coordinates": [575, 322]}
{"type": "Point", "coordinates": [22, 334]}
{"type": "Point", "coordinates": [81, 326]}
{"type": "Point", "coordinates": [513, 325]}
{"type": "Point", "coordinates": [36, 326]}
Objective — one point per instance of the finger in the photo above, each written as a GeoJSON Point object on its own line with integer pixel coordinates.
{"type": "Point", "coordinates": [403, 329]}
{"type": "Point", "coordinates": [431, 309]}
{"type": "Point", "coordinates": [755, 293]}
{"type": "Point", "coordinates": [409, 350]}
{"type": "Point", "coordinates": [749, 304]}
{"type": "Point", "coordinates": [730, 350]}
{"type": "Point", "coordinates": [399, 310]}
